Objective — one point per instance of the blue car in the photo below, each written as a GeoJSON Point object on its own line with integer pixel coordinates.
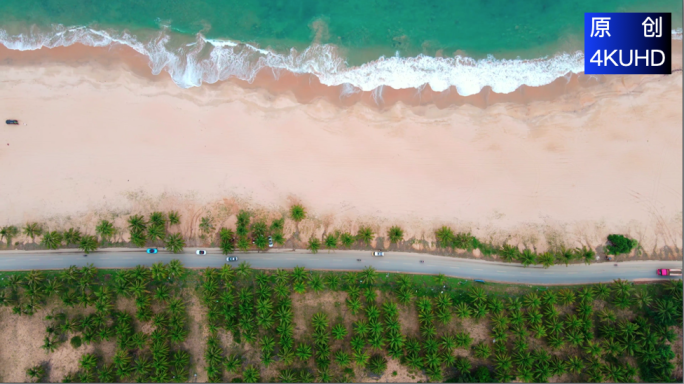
{"type": "Point", "coordinates": [151, 250]}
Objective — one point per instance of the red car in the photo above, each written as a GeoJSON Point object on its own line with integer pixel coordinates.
{"type": "Point", "coordinates": [669, 272]}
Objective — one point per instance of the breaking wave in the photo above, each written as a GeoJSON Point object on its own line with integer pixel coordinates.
{"type": "Point", "coordinates": [210, 60]}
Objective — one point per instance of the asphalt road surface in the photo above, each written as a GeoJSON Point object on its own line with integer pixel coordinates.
{"type": "Point", "coordinates": [347, 260]}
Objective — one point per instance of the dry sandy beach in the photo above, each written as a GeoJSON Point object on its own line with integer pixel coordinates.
{"type": "Point", "coordinates": [571, 163]}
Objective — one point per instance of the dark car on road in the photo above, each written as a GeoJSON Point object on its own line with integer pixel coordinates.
{"type": "Point", "coordinates": [151, 250]}
{"type": "Point", "coordinates": [12, 122]}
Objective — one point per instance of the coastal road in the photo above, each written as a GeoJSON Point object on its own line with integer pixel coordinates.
{"type": "Point", "coordinates": [347, 260]}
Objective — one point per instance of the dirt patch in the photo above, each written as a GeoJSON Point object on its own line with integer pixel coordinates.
{"type": "Point", "coordinates": [408, 318]}
{"type": "Point", "coordinates": [195, 342]}
{"type": "Point", "coordinates": [22, 338]}
{"type": "Point", "coordinates": [404, 375]}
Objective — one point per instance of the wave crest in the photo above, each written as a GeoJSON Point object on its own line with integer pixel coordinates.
{"type": "Point", "coordinates": [210, 60]}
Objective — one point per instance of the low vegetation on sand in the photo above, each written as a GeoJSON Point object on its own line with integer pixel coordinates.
{"type": "Point", "coordinates": [351, 326]}
{"type": "Point", "coordinates": [255, 234]}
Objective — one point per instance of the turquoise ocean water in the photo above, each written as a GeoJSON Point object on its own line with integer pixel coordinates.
{"type": "Point", "coordinates": [362, 43]}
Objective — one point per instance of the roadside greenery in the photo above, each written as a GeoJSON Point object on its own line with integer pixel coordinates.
{"type": "Point", "coordinates": [254, 233]}
{"type": "Point", "coordinates": [620, 244]}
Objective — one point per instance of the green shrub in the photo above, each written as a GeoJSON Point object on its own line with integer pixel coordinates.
{"type": "Point", "coordinates": [620, 244]}
{"type": "Point", "coordinates": [75, 341]}
{"type": "Point", "coordinates": [377, 364]}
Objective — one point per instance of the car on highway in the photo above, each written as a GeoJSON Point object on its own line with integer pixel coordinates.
{"type": "Point", "coordinates": [378, 253]}
{"type": "Point", "coordinates": [12, 122]}
{"type": "Point", "coordinates": [232, 258]}
{"type": "Point", "coordinates": [270, 242]}
{"type": "Point", "coordinates": [669, 272]}
{"type": "Point", "coordinates": [151, 250]}
{"type": "Point", "coordinates": [201, 252]}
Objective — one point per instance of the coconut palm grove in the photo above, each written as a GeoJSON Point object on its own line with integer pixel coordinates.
{"type": "Point", "coordinates": [311, 326]}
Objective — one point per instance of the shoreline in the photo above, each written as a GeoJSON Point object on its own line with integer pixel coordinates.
{"type": "Point", "coordinates": [307, 88]}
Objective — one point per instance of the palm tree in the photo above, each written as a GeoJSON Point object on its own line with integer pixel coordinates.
{"type": "Point", "coordinates": [331, 242]}
{"type": "Point", "coordinates": [206, 225]}
{"type": "Point", "coordinates": [226, 241]}
{"type": "Point", "coordinates": [566, 296]}
{"type": "Point", "coordinates": [251, 374]}
{"type": "Point", "coordinates": [316, 283]}
{"type": "Point", "coordinates": [528, 258]}
{"type": "Point", "coordinates": [138, 238]}
{"type": "Point", "coordinates": [261, 242]}
{"type": "Point", "coordinates": [339, 332]}
{"type": "Point", "coordinates": [88, 243]}
{"type": "Point", "coordinates": [365, 234]}
{"type": "Point", "coordinates": [8, 232]}
{"type": "Point", "coordinates": [88, 361]}
{"type": "Point", "coordinates": [462, 365]}
{"type": "Point", "coordinates": [136, 223]}
{"type": "Point", "coordinates": [342, 358]}
{"type": "Point", "coordinates": [333, 281]}
{"type": "Point", "coordinates": [546, 259]}
{"type": "Point", "coordinates": [347, 239]}
{"type": "Point", "coordinates": [156, 232]}
{"type": "Point", "coordinates": [445, 237]}
{"type": "Point", "coordinates": [52, 240]}
{"type": "Point", "coordinates": [299, 273]}
{"type": "Point", "coordinates": [72, 236]}
{"type": "Point", "coordinates": [243, 269]}
{"type": "Point", "coordinates": [621, 287]}
{"type": "Point", "coordinates": [106, 230]}
{"type": "Point", "coordinates": [175, 243]}
{"type": "Point", "coordinates": [395, 234]}
{"type": "Point", "coordinates": [478, 295]}
{"type": "Point", "coordinates": [463, 310]}
{"type": "Point", "coordinates": [287, 376]}
{"type": "Point", "coordinates": [665, 310]}
{"type": "Point", "coordinates": [297, 212]}
{"type": "Point", "coordinates": [319, 321]}
{"type": "Point", "coordinates": [377, 364]}
{"type": "Point", "coordinates": [158, 219]}
{"type": "Point", "coordinates": [369, 275]}
{"type": "Point", "coordinates": [354, 304]}
{"type": "Point", "coordinates": [482, 351]}
{"type": "Point", "coordinates": [175, 268]}
{"type": "Point", "coordinates": [32, 230]}
{"type": "Point", "coordinates": [463, 340]}
{"type": "Point", "coordinates": [303, 352]}
{"type": "Point", "coordinates": [314, 245]}
{"type": "Point", "coordinates": [174, 218]}
{"type": "Point", "coordinates": [36, 373]}
{"type": "Point", "coordinates": [642, 299]}
{"type": "Point", "coordinates": [49, 345]}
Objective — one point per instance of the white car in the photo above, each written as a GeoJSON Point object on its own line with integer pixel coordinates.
{"type": "Point", "coordinates": [232, 258]}
{"type": "Point", "coordinates": [201, 252]}
{"type": "Point", "coordinates": [378, 253]}
{"type": "Point", "coordinates": [270, 242]}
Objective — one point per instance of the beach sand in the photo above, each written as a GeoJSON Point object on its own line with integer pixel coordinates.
{"type": "Point", "coordinates": [575, 161]}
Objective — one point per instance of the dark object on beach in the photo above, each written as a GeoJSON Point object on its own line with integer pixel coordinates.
{"type": "Point", "coordinates": [12, 122]}
{"type": "Point", "coordinates": [480, 281]}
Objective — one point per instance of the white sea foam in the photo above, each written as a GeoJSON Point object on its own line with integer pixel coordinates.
{"type": "Point", "coordinates": [212, 60]}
